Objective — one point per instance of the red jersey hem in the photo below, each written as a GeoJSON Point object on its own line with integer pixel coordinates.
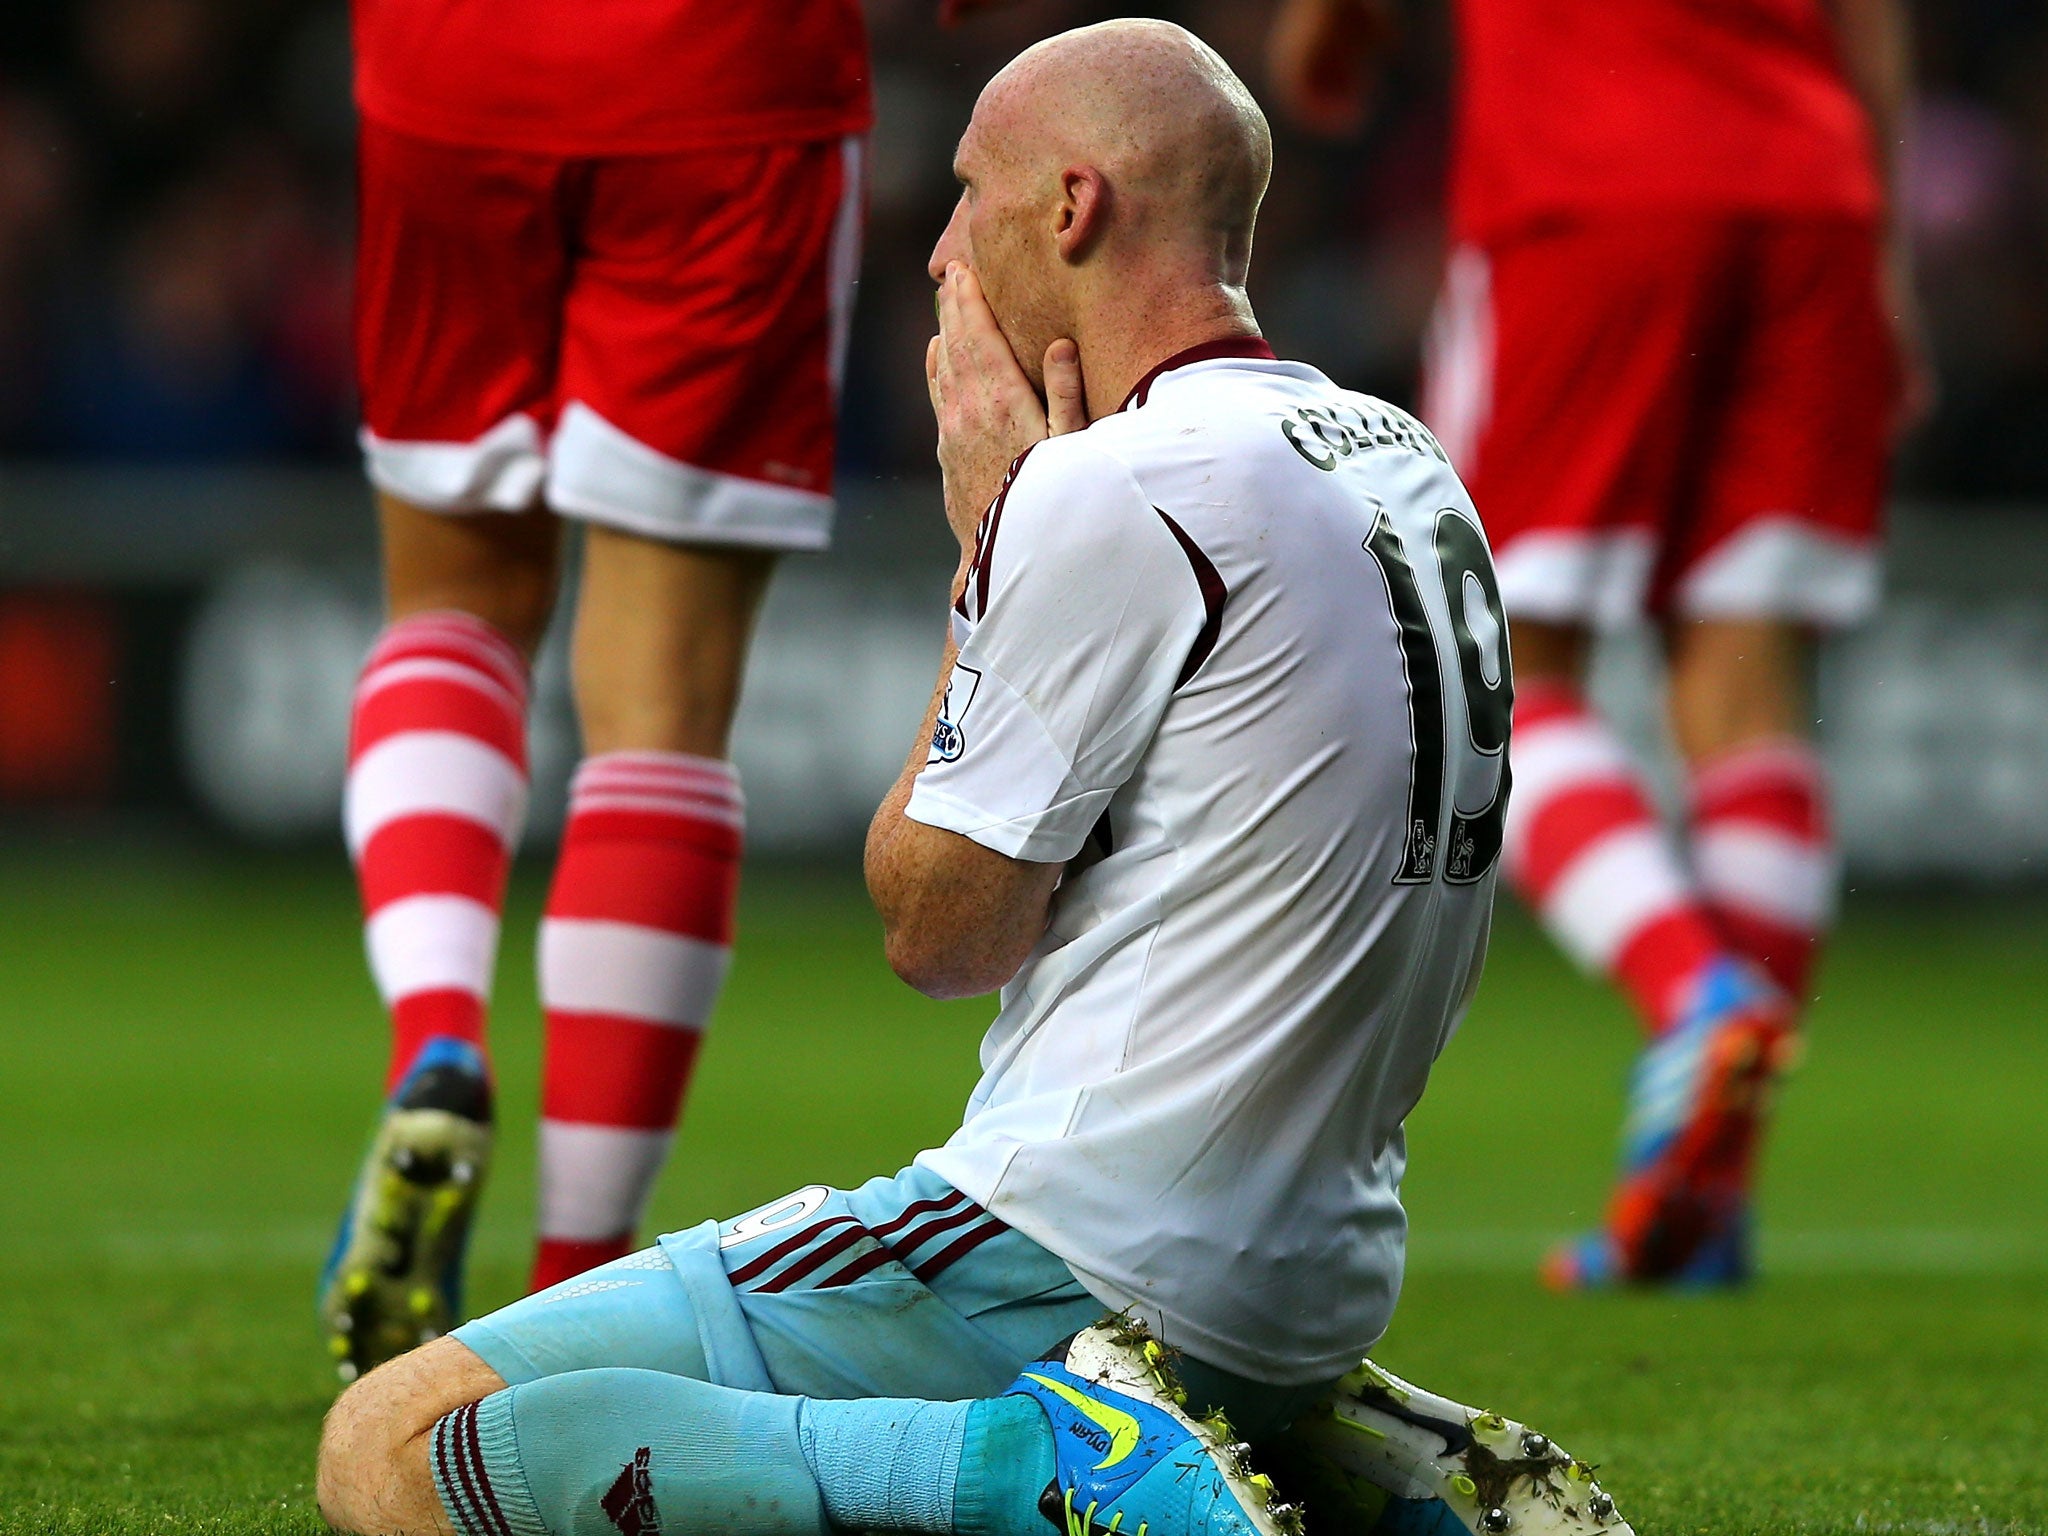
{"type": "Point", "coordinates": [714, 133]}
{"type": "Point", "coordinates": [1467, 230]}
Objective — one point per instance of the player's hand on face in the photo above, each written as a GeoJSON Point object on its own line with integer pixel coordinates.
{"type": "Point", "coordinates": [986, 409]}
{"type": "Point", "coordinates": [1066, 403]}
{"type": "Point", "coordinates": [1320, 57]}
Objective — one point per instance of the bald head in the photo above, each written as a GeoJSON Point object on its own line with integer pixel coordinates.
{"type": "Point", "coordinates": [1113, 167]}
{"type": "Point", "coordinates": [1156, 109]}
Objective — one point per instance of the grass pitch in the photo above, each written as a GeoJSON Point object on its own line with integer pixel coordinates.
{"type": "Point", "coordinates": [190, 1052]}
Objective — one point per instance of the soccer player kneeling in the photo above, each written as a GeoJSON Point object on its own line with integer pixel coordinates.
{"type": "Point", "coordinates": [1212, 784]}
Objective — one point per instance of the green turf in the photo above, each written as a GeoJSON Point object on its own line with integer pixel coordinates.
{"type": "Point", "coordinates": [189, 1048]}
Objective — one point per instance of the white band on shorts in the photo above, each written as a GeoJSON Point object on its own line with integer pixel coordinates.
{"type": "Point", "coordinates": [1783, 568]}
{"type": "Point", "coordinates": [599, 474]}
{"type": "Point", "coordinates": [498, 472]}
{"type": "Point", "coordinates": [1596, 579]}
{"type": "Point", "coordinates": [1775, 568]}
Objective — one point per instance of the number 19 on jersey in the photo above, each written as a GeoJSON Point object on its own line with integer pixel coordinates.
{"type": "Point", "coordinates": [1444, 763]}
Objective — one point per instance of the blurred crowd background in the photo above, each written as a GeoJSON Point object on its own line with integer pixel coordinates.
{"type": "Point", "coordinates": [175, 230]}
{"type": "Point", "coordinates": [175, 206]}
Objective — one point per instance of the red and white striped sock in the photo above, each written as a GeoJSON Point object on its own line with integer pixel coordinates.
{"type": "Point", "coordinates": [1585, 847]}
{"type": "Point", "coordinates": [435, 799]}
{"type": "Point", "coordinates": [1765, 855]}
{"type": "Point", "coordinates": [633, 951]}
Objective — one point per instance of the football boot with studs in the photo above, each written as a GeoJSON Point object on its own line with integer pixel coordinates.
{"type": "Point", "coordinates": [394, 1278]}
{"type": "Point", "coordinates": [1381, 1457]}
{"type": "Point", "coordinates": [1131, 1458]}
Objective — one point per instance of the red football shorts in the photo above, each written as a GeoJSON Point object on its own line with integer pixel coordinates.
{"type": "Point", "coordinates": [652, 342]}
{"type": "Point", "coordinates": [1686, 416]}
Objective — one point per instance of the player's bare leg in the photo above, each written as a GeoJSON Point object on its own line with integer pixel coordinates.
{"type": "Point", "coordinates": [436, 794]}
{"type": "Point", "coordinates": [373, 1469]}
{"type": "Point", "coordinates": [1735, 682]}
{"type": "Point", "coordinates": [661, 642]}
{"type": "Point", "coordinates": [639, 922]}
{"type": "Point", "coordinates": [500, 567]}
{"type": "Point", "coordinates": [1547, 654]}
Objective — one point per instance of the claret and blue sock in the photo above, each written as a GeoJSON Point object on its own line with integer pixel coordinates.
{"type": "Point", "coordinates": [1094, 1439]}
{"type": "Point", "coordinates": [605, 1451]}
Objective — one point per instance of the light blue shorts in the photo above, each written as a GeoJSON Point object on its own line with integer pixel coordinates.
{"type": "Point", "coordinates": [901, 1288]}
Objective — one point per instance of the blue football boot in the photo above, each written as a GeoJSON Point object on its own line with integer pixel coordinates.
{"type": "Point", "coordinates": [394, 1278]}
{"type": "Point", "coordinates": [1381, 1457]}
{"type": "Point", "coordinates": [1130, 1459]}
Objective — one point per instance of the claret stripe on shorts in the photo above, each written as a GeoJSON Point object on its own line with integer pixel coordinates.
{"type": "Point", "coordinates": [911, 1212]}
{"type": "Point", "coordinates": [817, 1258]}
{"type": "Point", "coordinates": [983, 1228]}
{"type": "Point", "coordinates": [931, 1268]}
{"type": "Point", "coordinates": [899, 1240]}
{"type": "Point", "coordinates": [865, 1264]}
{"type": "Point", "coordinates": [760, 1264]}
{"type": "Point", "coordinates": [922, 1234]}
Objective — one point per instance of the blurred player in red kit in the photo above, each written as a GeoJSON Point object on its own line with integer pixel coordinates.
{"type": "Point", "coordinates": [607, 255]}
{"type": "Point", "coordinates": [1671, 353]}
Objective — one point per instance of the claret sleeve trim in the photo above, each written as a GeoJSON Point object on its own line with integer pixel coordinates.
{"type": "Point", "coordinates": [1214, 595]}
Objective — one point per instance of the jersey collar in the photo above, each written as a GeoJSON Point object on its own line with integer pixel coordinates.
{"type": "Point", "coordinates": [1229, 346]}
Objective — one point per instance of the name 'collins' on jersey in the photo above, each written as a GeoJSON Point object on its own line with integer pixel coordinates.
{"type": "Point", "coordinates": [1233, 655]}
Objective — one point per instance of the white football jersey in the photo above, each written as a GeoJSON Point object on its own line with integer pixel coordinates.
{"type": "Point", "coordinates": [1235, 655]}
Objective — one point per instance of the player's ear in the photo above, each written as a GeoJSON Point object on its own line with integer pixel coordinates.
{"type": "Point", "coordinates": [1083, 211]}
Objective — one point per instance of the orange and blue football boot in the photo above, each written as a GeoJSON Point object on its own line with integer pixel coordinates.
{"type": "Point", "coordinates": [1698, 1099]}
